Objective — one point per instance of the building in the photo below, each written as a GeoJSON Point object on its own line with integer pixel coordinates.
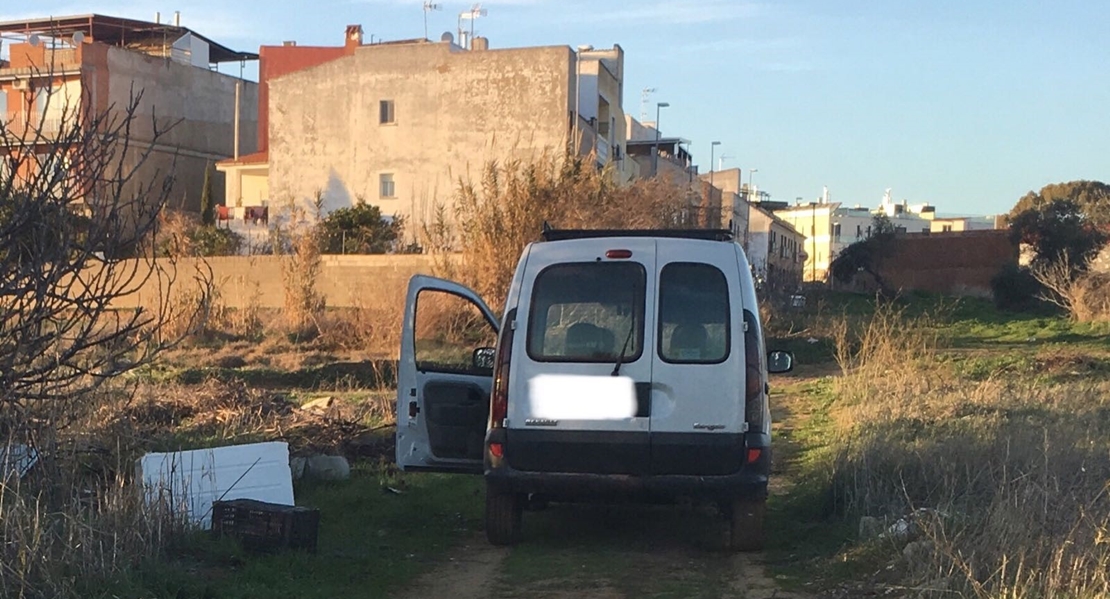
{"type": "Point", "coordinates": [829, 227]}
{"type": "Point", "coordinates": [775, 249]}
{"type": "Point", "coordinates": [657, 156]}
{"type": "Point", "coordinates": [731, 197]}
{"type": "Point", "coordinates": [62, 68]}
{"type": "Point", "coordinates": [956, 224]}
{"type": "Point", "coordinates": [399, 124]}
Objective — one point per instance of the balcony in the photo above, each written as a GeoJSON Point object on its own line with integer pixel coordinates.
{"type": "Point", "coordinates": [602, 150]}
{"type": "Point", "coordinates": [16, 126]}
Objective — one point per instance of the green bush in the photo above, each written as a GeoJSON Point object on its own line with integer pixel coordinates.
{"type": "Point", "coordinates": [1015, 288]}
{"type": "Point", "coordinates": [360, 229]}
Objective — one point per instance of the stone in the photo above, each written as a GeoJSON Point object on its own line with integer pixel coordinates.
{"type": "Point", "coordinates": [917, 551]}
{"type": "Point", "coordinates": [296, 467]}
{"type": "Point", "coordinates": [869, 528]}
{"type": "Point", "coordinates": [327, 467]}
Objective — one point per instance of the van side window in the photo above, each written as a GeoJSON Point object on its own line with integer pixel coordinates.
{"type": "Point", "coordinates": [447, 329]}
{"type": "Point", "coordinates": [587, 312]}
{"type": "Point", "coordinates": [693, 314]}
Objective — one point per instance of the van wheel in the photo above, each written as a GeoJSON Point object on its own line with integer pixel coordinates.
{"type": "Point", "coordinates": [745, 525]}
{"type": "Point", "coordinates": [503, 516]}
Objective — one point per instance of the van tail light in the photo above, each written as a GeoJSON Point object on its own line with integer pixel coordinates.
{"type": "Point", "coordinates": [753, 374]}
{"type": "Point", "coordinates": [499, 399]}
{"type": "Point", "coordinates": [753, 454]}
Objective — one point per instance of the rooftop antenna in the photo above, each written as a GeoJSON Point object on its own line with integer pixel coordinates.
{"type": "Point", "coordinates": [645, 94]}
{"type": "Point", "coordinates": [472, 14]}
{"type": "Point", "coordinates": [428, 6]}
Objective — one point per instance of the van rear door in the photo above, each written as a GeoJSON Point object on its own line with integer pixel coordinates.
{"type": "Point", "coordinates": [697, 416]}
{"type": "Point", "coordinates": [583, 310]}
{"type": "Point", "coordinates": [444, 377]}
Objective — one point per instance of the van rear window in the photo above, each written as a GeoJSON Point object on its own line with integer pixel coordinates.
{"type": "Point", "coordinates": [693, 314]}
{"type": "Point", "coordinates": [587, 312]}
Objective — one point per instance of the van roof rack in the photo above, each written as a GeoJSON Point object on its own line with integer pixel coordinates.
{"type": "Point", "coordinates": [550, 234]}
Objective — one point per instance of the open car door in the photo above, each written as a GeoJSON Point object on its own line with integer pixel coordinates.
{"type": "Point", "coordinates": [444, 377]}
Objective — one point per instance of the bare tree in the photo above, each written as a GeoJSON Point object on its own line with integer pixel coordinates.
{"type": "Point", "coordinates": [1060, 282]}
{"type": "Point", "coordinates": [78, 218]}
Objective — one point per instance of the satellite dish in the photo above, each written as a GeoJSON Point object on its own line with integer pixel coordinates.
{"type": "Point", "coordinates": [447, 37]}
{"type": "Point", "coordinates": [78, 38]}
{"type": "Point", "coordinates": [33, 40]}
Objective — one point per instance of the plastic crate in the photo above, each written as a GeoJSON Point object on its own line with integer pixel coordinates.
{"type": "Point", "coordinates": [262, 526]}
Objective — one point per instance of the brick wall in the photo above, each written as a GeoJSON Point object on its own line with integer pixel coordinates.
{"type": "Point", "coordinates": [957, 263]}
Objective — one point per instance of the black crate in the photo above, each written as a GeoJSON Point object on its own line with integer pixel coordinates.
{"type": "Point", "coordinates": [262, 526]}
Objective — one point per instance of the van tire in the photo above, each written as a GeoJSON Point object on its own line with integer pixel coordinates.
{"type": "Point", "coordinates": [745, 525]}
{"type": "Point", "coordinates": [503, 517]}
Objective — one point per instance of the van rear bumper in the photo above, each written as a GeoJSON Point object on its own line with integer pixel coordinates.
{"type": "Point", "coordinates": [746, 484]}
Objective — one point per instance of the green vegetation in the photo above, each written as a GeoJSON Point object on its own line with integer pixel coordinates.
{"type": "Point", "coordinates": [360, 229]}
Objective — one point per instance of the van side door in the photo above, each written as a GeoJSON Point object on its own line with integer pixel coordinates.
{"type": "Point", "coordinates": [444, 377]}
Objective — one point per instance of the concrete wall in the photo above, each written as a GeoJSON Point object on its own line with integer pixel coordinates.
{"type": "Point", "coordinates": [200, 101]}
{"type": "Point", "coordinates": [345, 281]}
{"type": "Point", "coordinates": [454, 111]}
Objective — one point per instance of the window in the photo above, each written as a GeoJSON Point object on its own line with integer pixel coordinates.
{"type": "Point", "coordinates": [385, 186]}
{"type": "Point", "coordinates": [447, 329]}
{"type": "Point", "coordinates": [836, 232]}
{"type": "Point", "coordinates": [385, 112]}
{"type": "Point", "coordinates": [859, 232]}
{"type": "Point", "coordinates": [587, 312]}
{"type": "Point", "coordinates": [693, 314]}
{"type": "Point", "coordinates": [947, 228]}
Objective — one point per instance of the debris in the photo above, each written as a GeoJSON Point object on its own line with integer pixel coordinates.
{"type": "Point", "coordinates": [17, 459]}
{"type": "Point", "coordinates": [393, 490]}
{"type": "Point", "coordinates": [322, 405]}
{"type": "Point", "coordinates": [189, 481]}
{"type": "Point", "coordinates": [812, 340]}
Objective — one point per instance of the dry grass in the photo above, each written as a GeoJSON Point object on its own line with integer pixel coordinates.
{"type": "Point", "coordinates": [1013, 470]}
{"type": "Point", "coordinates": [492, 219]}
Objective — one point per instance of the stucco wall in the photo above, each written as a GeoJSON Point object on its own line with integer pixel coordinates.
{"type": "Point", "coordinates": [200, 101]}
{"type": "Point", "coordinates": [454, 111]}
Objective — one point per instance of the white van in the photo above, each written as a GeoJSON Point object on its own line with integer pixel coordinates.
{"type": "Point", "coordinates": [627, 365]}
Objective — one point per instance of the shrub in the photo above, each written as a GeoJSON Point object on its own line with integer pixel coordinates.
{"type": "Point", "coordinates": [360, 229]}
{"type": "Point", "coordinates": [1015, 288]}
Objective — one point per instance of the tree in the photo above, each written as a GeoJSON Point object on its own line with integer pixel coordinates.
{"type": "Point", "coordinates": [1058, 230]}
{"type": "Point", "coordinates": [867, 255]}
{"type": "Point", "coordinates": [1092, 198]}
{"type": "Point", "coordinates": [207, 205]}
{"type": "Point", "coordinates": [73, 206]}
{"type": "Point", "coordinates": [360, 229]}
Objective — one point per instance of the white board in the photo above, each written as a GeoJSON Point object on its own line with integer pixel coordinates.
{"type": "Point", "coordinates": [189, 481]}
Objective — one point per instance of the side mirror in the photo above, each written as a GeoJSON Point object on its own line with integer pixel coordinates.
{"type": "Point", "coordinates": [779, 361]}
{"type": "Point", "coordinates": [483, 358]}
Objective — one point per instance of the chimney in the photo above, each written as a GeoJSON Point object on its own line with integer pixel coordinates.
{"type": "Point", "coordinates": [158, 17]}
{"type": "Point", "coordinates": [353, 38]}
{"type": "Point", "coordinates": [289, 43]}
{"type": "Point", "coordinates": [177, 18]}
{"type": "Point", "coordinates": [479, 43]}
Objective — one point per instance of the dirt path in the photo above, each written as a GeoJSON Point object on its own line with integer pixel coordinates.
{"type": "Point", "coordinates": [617, 551]}
{"type": "Point", "coordinates": [469, 572]}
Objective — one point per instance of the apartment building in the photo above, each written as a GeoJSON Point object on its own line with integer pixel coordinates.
{"type": "Point", "coordinates": [775, 249]}
{"type": "Point", "coordinates": [53, 69]}
{"type": "Point", "coordinates": [399, 124]}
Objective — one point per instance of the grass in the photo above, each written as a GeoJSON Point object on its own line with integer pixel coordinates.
{"type": "Point", "coordinates": [372, 542]}
{"type": "Point", "coordinates": [996, 422]}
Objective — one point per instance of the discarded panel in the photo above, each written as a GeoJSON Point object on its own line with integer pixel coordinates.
{"type": "Point", "coordinates": [189, 481]}
{"type": "Point", "coordinates": [17, 459]}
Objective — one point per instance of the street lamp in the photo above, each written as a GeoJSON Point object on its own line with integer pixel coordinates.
{"type": "Point", "coordinates": [655, 157]}
{"type": "Point", "coordinates": [578, 94]}
{"type": "Point", "coordinates": [709, 196]}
